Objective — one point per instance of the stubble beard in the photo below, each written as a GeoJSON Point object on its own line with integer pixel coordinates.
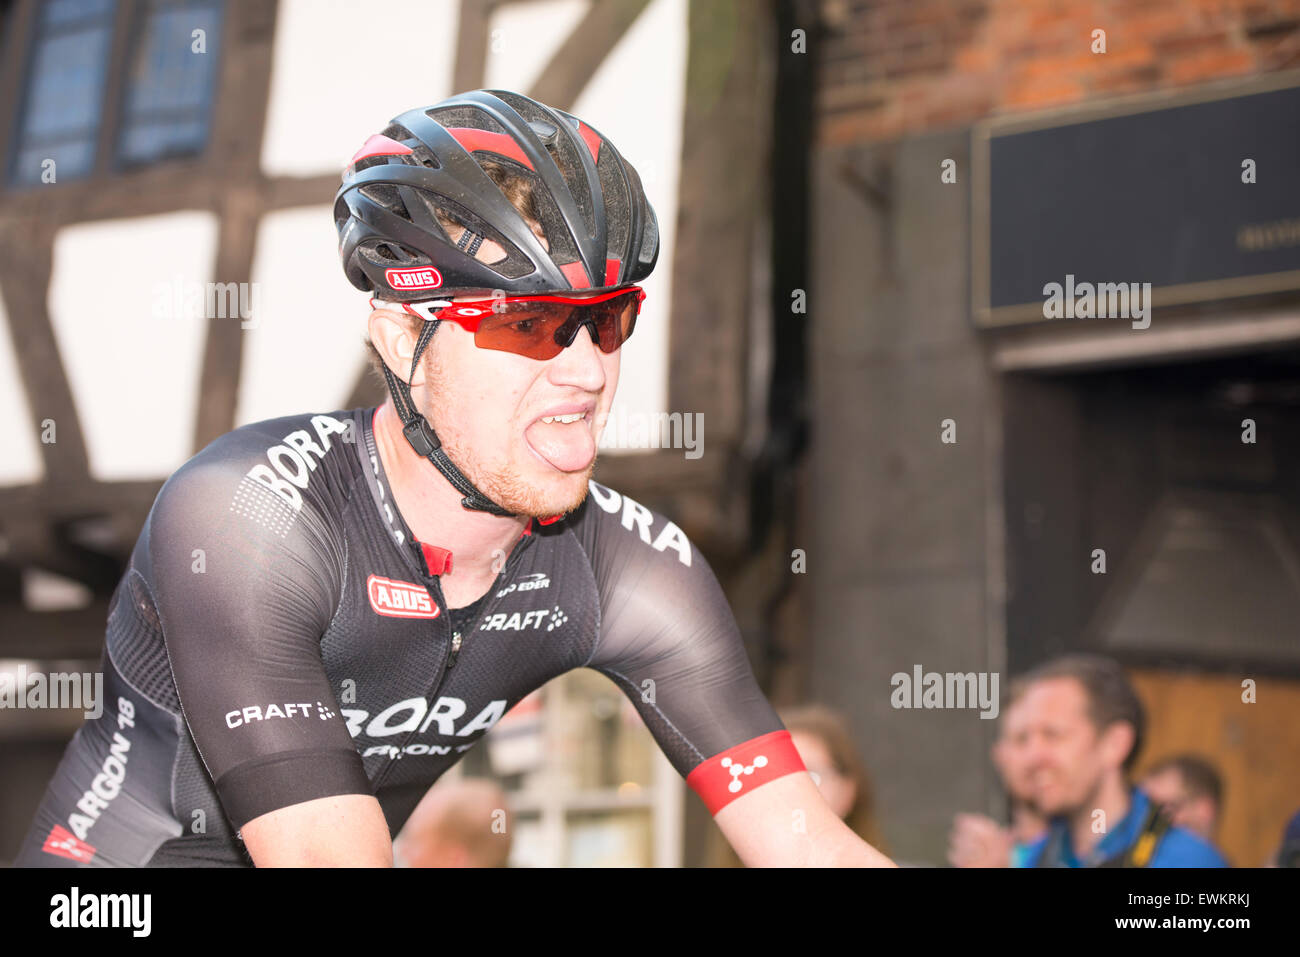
{"type": "Point", "coordinates": [504, 484]}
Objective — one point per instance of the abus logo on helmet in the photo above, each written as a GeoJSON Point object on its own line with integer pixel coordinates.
{"type": "Point", "coordinates": [413, 277]}
{"type": "Point", "coordinates": [399, 599]}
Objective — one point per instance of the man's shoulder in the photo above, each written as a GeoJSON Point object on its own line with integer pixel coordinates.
{"type": "Point", "coordinates": [611, 520]}
{"type": "Point", "coordinates": [272, 460]}
{"type": "Point", "coordinates": [1182, 848]}
{"type": "Point", "coordinates": [1026, 853]}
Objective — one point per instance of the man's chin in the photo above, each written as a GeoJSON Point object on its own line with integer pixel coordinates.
{"type": "Point", "coordinates": [554, 494]}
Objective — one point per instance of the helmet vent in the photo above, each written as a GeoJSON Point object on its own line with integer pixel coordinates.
{"type": "Point", "coordinates": [387, 197]}
{"type": "Point", "coordinates": [466, 116]}
{"type": "Point", "coordinates": [424, 157]}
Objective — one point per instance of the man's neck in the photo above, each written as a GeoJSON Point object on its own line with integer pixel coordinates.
{"type": "Point", "coordinates": [432, 509]}
{"type": "Point", "coordinates": [1112, 799]}
{"type": "Point", "coordinates": [1027, 825]}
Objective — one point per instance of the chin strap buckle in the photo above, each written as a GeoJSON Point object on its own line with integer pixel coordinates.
{"type": "Point", "coordinates": [421, 438]}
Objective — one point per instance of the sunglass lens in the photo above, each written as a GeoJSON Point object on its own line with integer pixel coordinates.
{"type": "Point", "coordinates": [528, 332]}
{"type": "Point", "coordinates": [540, 329]}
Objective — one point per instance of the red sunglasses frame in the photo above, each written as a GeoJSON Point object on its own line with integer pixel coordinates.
{"type": "Point", "coordinates": [471, 313]}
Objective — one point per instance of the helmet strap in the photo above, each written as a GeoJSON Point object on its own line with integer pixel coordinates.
{"type": "Point", "coordinates": [424, 440]}
{"type": "Point", "coordinates": [464, 244]}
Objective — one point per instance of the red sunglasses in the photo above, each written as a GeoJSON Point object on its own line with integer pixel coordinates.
{"type": "Point", "coordinates": [539, 327]}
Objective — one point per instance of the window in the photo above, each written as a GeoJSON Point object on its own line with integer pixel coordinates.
{"type": "Point", "coordinates": [167, 79]}
{"type": "Point", "coordinates": [65, 90]}
{"type": "Point", "coordinates": [586, 782]}
{"type": "Point", "coordinates": [169, 92]}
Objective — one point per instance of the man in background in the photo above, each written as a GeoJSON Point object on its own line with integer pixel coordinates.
{"type": "Point", "coordinates": [1189, 789]}
{"type": "Point", "coordinates": [1084, 726]}
{"type": "Point", "coordinates": [977, 840]}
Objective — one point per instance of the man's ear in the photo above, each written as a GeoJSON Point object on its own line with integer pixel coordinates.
{"type": "Point", "coordinates": [1203, 810]}
{"type": "Point", "coordinates": [1117, 741]}
{"type": "Point", "coordinates": [393, 333]}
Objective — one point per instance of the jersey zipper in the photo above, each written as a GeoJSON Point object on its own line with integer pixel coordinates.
{"type": "Point", "coordinates": [457, 640]}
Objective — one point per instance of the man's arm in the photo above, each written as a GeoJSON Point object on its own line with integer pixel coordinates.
{"type": "Point", "coordinates": [787, 823]}
{"type": "Point", "coordinates": [669, 640]}
{"type": "Point", "coordinates": [347, 830]}
{"type": "Point", "coordinates": [244, 586]}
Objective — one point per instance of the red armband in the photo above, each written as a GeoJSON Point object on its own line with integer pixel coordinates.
{"type": "Point", "coordinates": [737, 771]}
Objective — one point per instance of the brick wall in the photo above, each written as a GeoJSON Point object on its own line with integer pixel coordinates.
{"type": "Point", "coordinates": [889, 68]}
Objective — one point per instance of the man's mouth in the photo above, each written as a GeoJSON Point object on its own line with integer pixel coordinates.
{"type": "Point", "coordinates": [563, 438]}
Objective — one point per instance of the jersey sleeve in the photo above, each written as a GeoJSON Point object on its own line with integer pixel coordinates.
{"type": "Point", "coordinates": [668, 639]}
{"type": "Point", "coordinates": [245, 580]}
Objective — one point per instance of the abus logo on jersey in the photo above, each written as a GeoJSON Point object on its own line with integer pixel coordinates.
{"type": "Point", "coordinates": [413, 277]}
{"type": "Point", "coordinates": [399, 599]}
{"type": "Point", "coordinates": [528, 582]}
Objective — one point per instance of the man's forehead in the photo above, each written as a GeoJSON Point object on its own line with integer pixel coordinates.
{"type": "Point", "coordinates": [1057, 694]}
{"type": "Point", "coordinates": [1165, 777]}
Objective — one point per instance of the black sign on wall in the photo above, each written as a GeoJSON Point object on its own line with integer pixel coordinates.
{"type": "Point", "coordinates": [1148, 190]}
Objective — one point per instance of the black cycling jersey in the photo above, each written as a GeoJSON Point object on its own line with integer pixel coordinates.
{"type": "Point", "coordinates": [280, 636]}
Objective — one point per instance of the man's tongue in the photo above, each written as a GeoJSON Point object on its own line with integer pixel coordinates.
{"type": "Point", "coordinates": [566, 446]}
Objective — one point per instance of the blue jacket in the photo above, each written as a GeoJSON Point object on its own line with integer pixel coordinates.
{"type": "Point", "coordinates": [1178, 847]}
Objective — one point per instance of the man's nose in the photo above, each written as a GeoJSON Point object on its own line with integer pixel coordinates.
{"type": "Point", "coordinates": [1037, 752]}
{"type": "Point", "coordinates": [579, 362]}
{"type": "Point", "coordinates": [590, 326]}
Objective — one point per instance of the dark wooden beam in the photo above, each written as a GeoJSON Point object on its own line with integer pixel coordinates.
{"type": "Point", "coordinates": [286, 192]}
{"type": "Point", "coordinates": [128, 21]}
{"type": "Point", "coordinates": [44, 635]}
{"type": "Point", "coordinates": [720, 205]}
{"type": "Point", "coordinates": [65, 499]}
{"type": "Point", "coordinates": [240, 118]}
{"type": "Point", "coordinates": [38, 542]}
{"type": "Point", "coordinates": [223, 347]}
{"type": "Point", "coordinates": [26, 251]}
{"type": "Point", "coordinates": [578, 58]}
{"type": "Point", "coordinates": [13, 66]}
{"type": "Point", "coordinates": [368, 391]}
{"type": "Point", "coordinates": [471, 46]}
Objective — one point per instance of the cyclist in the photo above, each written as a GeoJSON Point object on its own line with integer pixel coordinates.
{"type": "Point", "coordinates": [324, 611]}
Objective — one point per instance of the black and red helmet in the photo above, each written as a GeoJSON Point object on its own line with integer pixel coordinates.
{"type": "Point", "coordinates": [601, 232]}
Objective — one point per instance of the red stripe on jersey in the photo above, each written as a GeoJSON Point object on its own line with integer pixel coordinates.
{"type": "Point", "coordinates": [738, 771]}
{"type": "Point", "coordinates": [63, 844]}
